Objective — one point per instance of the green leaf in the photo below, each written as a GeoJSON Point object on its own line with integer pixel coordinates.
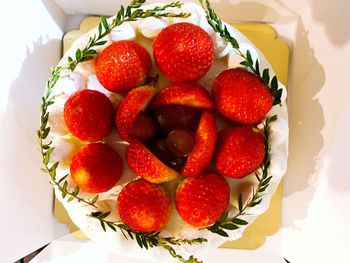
{"type": "Point", "coordinates": [100, 43]}
{"type": "Point", "coordinates": [256, 203]}
{"type": "Point", "coordinates": [266, 76]}
{"type": "Point", "coordinates": [130, 235]}
{"type": "Point", "coordinates": [86, 58]}
{"type": "Point", "coordinates": [96, 214]}
{"type": "Point", "coordinates": [103, 225]}
{"type": "Point", "coordinates": [128, 11]}
{"type": "Point", "coordinates": [64, 177]}
{"type": "Point", "coordinates": [144, 242]}
{"type": "Point", "coordinates": [229, 226]}
{"type": "Point", "coordinates": [94, 200]}
{"type": "Point", "coordinates": [257, 67]}
{"type": "Point", "coordinates": [64, 194]}
{"type": "Point", "coordinates": [274, 83]}
{"type": "Point", "coordinates": [70, 199]}
{"type": "Point", "coordinates": [239, 221]}
{"type": "Point", "coordinates": [76, 191]}
{"type": "Point", "coordinates": [91, 52]}
{"type": "Point", "coordinates": [99, 30]}
{"type": "Point", "coordinates": [104, 215]}
{"type": "Point", "coordinates": [249, 57]}
{"type": "Point", "coordinates": [111, 226]}
{"type": "Point", "coordinates": [54, 166]}
{"type": "Point", "coordinates": [104, 22]}
{"type": "Point", "coordinates": [257, 177]}
{"type": "Point", "coordinates": [70, 59]}
{"type": "Point", "coordinates": [139, 241]}
{"type": "Point", "coordinates": [122, 226]}
{"type": "Point", "coordinates": [223, 216]}
{"type": "Point", "coordinates": [45, 132]}
{"type": "Point", "coordinates": [78, 54]}
{"type": "Point", "coordinates": [266, 181]}
{"type": "Point", "coordinates": [240, 203]}
{"type": "Point", "coordinates": [245, 63]}
{"type": "Point", "coordinates": [64, 187]}
{"type": "Point", "coordinates": [221, 233]}
{"type": "Point", "coordinates": [262, 189]}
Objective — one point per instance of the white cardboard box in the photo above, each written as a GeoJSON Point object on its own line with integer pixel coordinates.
{"type": "Point", "coordinates": [315, 224]}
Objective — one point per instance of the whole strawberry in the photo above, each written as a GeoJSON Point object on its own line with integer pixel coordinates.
{"type": "Point", "coordinates": [183, 52]}
{"type": "Point", "coordinates": [241, 96]}
{"type": "Point", "coordinates": [96, 168]}
{"type": "Point", "coordinates": [89, 115]}
{"type": "Point", "coordinates": [122, 66]}
{"type": "Point", "coordinates": [144, 206]}
{"type": "Point", "coordinates": [201, 200]}
{"type": "Point", "coordinates": [240, 151]}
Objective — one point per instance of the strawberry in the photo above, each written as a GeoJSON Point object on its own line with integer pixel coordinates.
{"type": "Point", "coordinates": [241, 96]}
{"type": "Point", "coordinates": [200, 201]}
{"type": "Point", "coordinates": [143, 163]}
{"type": "Point", "coordinates": [187, 94]}
{"type": "Point", "coordinates": [130, 107]}
{"type": "Point", "coordinates": [89, 115]}
{"type": "Point", "coordinates": [240, 151]}
{"type": "Point", "coordinates": [205, 141]}
{"type": "Point", "coordinates": [144, 206]}
{"type": "Point", "coordinates": [96, 168]}
{"type": "Point", "coordinates": [122, 66]}
{"type": "Point", "coordinates": [183, 52]}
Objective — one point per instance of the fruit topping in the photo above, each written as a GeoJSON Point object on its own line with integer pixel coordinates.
{"type": "Point", "coordinates": [172, 116]}
{"type": "Point", "coordinates": [160, 149]}
{"type": "Point", "coordinates": [89, 115]}
{"type": "Point", "coordinates": [146, 165]}
{"type": "Point", "coordinates": [200, 201]}
{"type": "Point", "coordinates": [144, 206]}
{"type": "Point", "coordinates": [130, 107]}
{"type": "Point", "coordinates": [205, 141]}
{"type": "Point", "coordinates": [96, 168]}
{"type": "Point", "coordinates": [189, 94]}
{"type": "Point", "coordinates": [240, 151]}
{"type": "Point", "coordinates": [123, 65]}
{"type": "Point", "coordinates": [183, 52]}
{"type": "Point", "coordinates": [143, 127]}
{"type": "Point", "coordinates": [180, 142]}
{"type": "Point", "coordinates": [241, 96]}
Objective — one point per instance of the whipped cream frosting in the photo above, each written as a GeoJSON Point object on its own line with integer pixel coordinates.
{"type": "Point", "coordinates": [144, 31]}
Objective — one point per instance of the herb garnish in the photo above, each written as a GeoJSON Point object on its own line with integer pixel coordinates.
{"type": "Point", "coordinates": [145, 240]}
{"type": "Point", "coordinates": [226, 223]}
{"type": "Point", "coordinates": [220, 28]}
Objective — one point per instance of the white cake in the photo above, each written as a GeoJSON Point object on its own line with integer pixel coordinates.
{"type": "Point", "coordinates": [144, 31]}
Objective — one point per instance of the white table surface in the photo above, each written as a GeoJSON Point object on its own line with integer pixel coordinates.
{"type": "Point", "coordinates": [316, 197]}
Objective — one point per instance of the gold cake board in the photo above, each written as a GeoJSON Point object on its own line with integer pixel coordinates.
{"type": "Point", "coordinates": [276, 52]}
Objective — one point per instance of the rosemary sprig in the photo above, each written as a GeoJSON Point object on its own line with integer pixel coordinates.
{"type": "Point", "coordinates": [80, 56]}
{"type": "Point", "coordinates": [146, 240]}
{"type": "Point", "coordinates": [226, 223]}
{"type": "Point", "coordinates": [220, 28]}
{"type": "Point", "coordinates": [124, 15]}
{"type": "Point", "coordinates": [46, 149]}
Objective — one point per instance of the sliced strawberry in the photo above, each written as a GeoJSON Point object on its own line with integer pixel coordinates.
{"type": "Point", "coordinates": [130, 107]}
{"type": "Point", "coordinates": [189, 94]}
{"type": "Point", "coordinates": [143, 163]}
{"type": "Point", "coordinates": [206, 136]}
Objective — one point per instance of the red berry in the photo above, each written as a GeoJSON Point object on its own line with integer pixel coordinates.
{"type": "Point", "coordinates": [241, 96]}
{"type": "Point", "coordinates": [200, 201]}
{"type": "Point", "coordinates": [96, 168]}
{"type": "Point", "coordinates": [180, 142]}
{"type": "Point", "coordinates": [206, 135]}
{"type": "Point", "coordinates": [240, 151]}
{"type": "Point", "coordinates": [144, 164]}
{"type": "Point", "coordinates": [130, 107]}
{"type": "Point", "coordinates": [143, 127]}
{"type": "Point", "coordinates": [89, 115]}
{"type": "Point", "coordinates": [144, 206]}
{"type": "Point", "coordinates": [189, 94]}
{"type": "Point", "coordinates": [183, 52]}
{"type": "Point", "coordinates": [123, 65]}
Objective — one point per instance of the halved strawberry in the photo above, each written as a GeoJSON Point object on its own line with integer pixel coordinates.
{"type": "Point", "coordinates": [130, 107]}
{"type": "Point", "coordinates": [189, 94]}
{"type": "Point", "coordinates": [143, 163]}
{"type": "Point", "coordinates": [206, 136]}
